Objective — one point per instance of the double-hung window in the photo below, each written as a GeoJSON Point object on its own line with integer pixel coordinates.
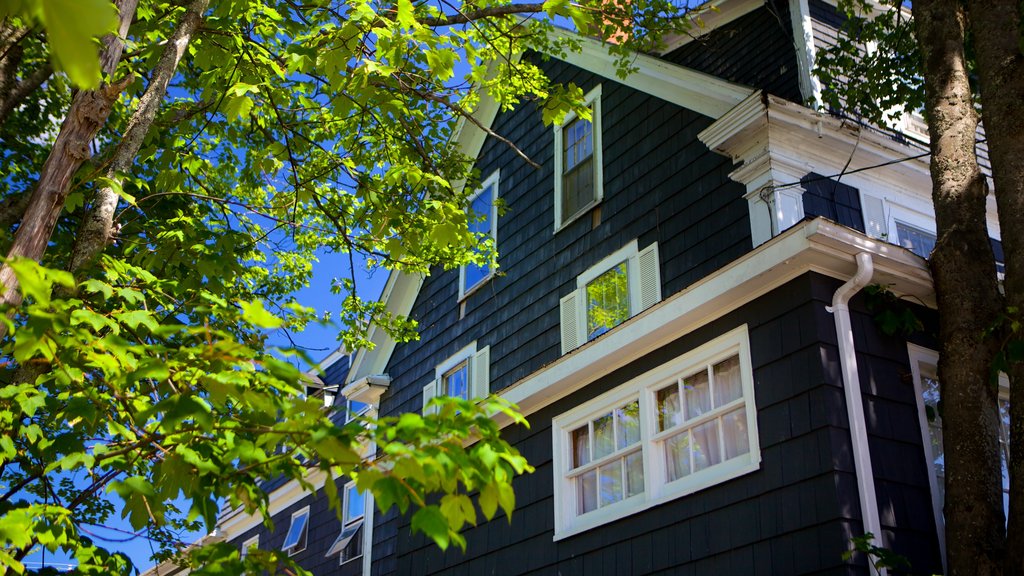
{"type": "Point", "coordinates": [295, 539]}
{"type": "Point", "coordinates": [609, 293]}
{"type": "Point", "coordinates": [349, 543]}
{"type": "Point", "coordinates": [681, 427]}
{"type": "Point", "coordinates": [924, 367]}
{"type": "Point", "coordinates": [466, 375]}
{"type": "Point", "coordinates": [578, 172]}
{"type": "Point", "coordinates": [483, 223]}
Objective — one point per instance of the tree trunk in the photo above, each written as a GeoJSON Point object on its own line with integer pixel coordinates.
{"type": "Point", "coordinates": [963, 268]}
{"type": "Point", "coordinates": [96, 229]}
{"type": "Point", "coordinates": [88, 112]}
{"type": "Point", "coordinates": [997, 32]}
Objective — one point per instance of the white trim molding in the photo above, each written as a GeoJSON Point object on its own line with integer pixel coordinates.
{"type": "Point", "coordinates": [657, 437]}
{"type": "Point", "coordinates": [811, 246]}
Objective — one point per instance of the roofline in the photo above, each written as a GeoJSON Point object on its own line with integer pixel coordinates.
{"type": "Point", "coordinates": [816, 245]}
{"type": "Point", "coordinates": [713, 15]}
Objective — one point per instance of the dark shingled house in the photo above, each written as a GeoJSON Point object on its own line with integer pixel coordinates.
{"type": "Point", "coordinates": [681, 315]}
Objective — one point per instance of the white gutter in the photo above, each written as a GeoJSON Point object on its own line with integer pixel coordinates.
{"type": "Point", "coordinates": [854, 400]}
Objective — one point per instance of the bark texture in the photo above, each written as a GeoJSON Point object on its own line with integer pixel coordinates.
{"type": "Point", "coordinates": [96, 231]}
{"type": "Point", "coordinates": [1000, 64]}
{"type": "Point", "coordinates": [88, 112]}
{"type": "Point", "coordinates": [963, 268]}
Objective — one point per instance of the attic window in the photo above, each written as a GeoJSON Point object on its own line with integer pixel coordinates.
{"type": "Point", "coordinates": [483, 223]}
{"type": "Point", "coordinates": [578, 170]}
{"type": "Point", "coordinates": [609, 293]}
{"type": "Point", "coordinates": [295, 540]}
{"type": "Point", "coordinates": [464, 375]}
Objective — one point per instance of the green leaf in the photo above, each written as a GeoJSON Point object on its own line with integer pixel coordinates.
{"type": "Point", "coordinates": [405, 17]}
{"type": "Point", "coordinates": [254, 313]}
{"type": "Point", "coordinates": [135, 318]}
{"type": "Point", "coordinates": [72, 27]}
{"type": "Point", "coordinates": [430, 521]}
{"type": "Point", "coordinates": [237, 107]}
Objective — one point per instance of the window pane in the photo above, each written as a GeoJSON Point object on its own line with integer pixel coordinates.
{"type": "Point", "coordinates": [628, 430]}
{"type": "Point", "coordinates": [577, 170]}
{"type": "Point", "coordinates": [727, 381]}
{"type": "Point", "coordinates": [296, 533]}
{"type": "Point", "coordinates": [604, 438]}
{"type": "Point", "coordinates": [580, 446]}
{"type": "Point", "coordinates": [456, 381]}
{"type": "Point", "coordinates": [698, 394]}
{"type": "Point", "coordinates": [586, 492]}
{"type": "Point", "coordinates": [930, 392]}
{"type": "Point", "coordinates": [677, 456]}
{"type": "Point", "coordinates": [734, 433]}
{"type": "Point", "coordinates": [577, 188]}
{"type": "Point", "coordinates": [634, 474]}
{"type": "Point", "coordinates": [611, 482]}
{"type": "Point", "coordinates": [607, 301]}
{"type": "Point", "coordinates": [668, 408]}
{"type": "Point", "coordinates": [705, 446]}
{"type": "Point", "coordinates": [918, 241]}
{"type": "Point", "coordinates": [355, 506]}
{"type": "Point", "coordinates": [480, 223]}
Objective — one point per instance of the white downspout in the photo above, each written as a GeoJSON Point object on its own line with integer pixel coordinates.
{"type": "Point", "coordinates": [854, 401]}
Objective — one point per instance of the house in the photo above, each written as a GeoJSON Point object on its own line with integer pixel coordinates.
{"type": "Point", "coordinates": [681, 315]}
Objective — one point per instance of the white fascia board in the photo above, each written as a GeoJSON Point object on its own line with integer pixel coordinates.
{"type": "Point", "coordinates": [399, 295]}
{"type": "Point", "coordinates": [811, 246]}
{"type": "Point", "coordinates": [332, 357]}
{"type": "Point", "coordinates": [697, 91]}
{"type": "Point", "coordinates": [713, 14]}
{"type": "Point", "coordinates": [235, 522]}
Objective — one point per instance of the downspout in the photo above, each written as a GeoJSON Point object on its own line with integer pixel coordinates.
{"type": "Point", "coordinates": [854, 400]}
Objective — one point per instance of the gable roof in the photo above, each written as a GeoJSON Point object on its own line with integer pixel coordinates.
{"type": "Point", "coordinates": [703, 93]}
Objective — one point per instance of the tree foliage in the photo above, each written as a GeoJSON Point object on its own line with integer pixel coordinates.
{"type": "Point", "coordinates": [245, 138]}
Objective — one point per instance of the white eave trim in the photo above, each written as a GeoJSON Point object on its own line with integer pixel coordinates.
{"type": "Point", "coordinates": [811, 246]}
{"type": "Point", "coordinates": [697, 91]}
{"type": "Point", "coordinates": [367, 389]}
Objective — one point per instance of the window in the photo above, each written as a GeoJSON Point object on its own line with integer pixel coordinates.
{"type": "Point", "coordinates": [579, 175]}
{"type": "Point", "coordinates": [617, 288]}
{"type": "Point", "coordinates": [679, 428]}
{"type": "Point", "coordinates": [249, 544]}
{"type": "Point", "coordinates": [349, 543]}
{"type": "Point", "coordinates": [918, 241]}
{"type": "Point", "coordinates": [464, 375]}
{"type": "Point", "coordinates": [924, 367]}
{"type": "Point", "coordinates": [295, 540]}
{"type": "Point", "coordinates": [483, 222]}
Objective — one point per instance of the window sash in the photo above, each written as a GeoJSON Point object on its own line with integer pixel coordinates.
{"type": "Point", "coordinates": [653, 482]}
{"type": "Point", "coordinates": [295, 539]}
{"type": "Point", "coordinates": [455, 382]}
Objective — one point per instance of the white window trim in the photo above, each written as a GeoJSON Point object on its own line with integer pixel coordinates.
{"type": "Point", "coordinates": [253, 542]}
{"type": "Point", "coordinates": [656, 488]}
{"type": "Point", "coordinates": [303, 540]}
{"type": "Point", "coordinates": [478, 372]}
{"type": "Point", "coordinates": [593, 100]}
{"type": "Point", "coordinates": [925, 362]}
{"type": "Point", "coordinates": [630, 253]}
{"type": "Point", "coordinates": [493, 180]}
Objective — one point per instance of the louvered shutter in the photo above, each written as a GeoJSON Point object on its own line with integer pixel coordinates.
{"type": "Point", "coordinates": [429, 391]}
{"type": "Point", "coordinates": [480, 373]}
{"type": "Point", "coordinates": [874, 216]}
{"type": "Point", "coordinates": [569, 321]}
{"type": "Point", "coordinates": [650, 276]}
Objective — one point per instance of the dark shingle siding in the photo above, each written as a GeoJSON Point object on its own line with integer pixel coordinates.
{"type": "Point", "coordinates": [755, 50]}
{"type": "Point", "coordinates": [794, 515]}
